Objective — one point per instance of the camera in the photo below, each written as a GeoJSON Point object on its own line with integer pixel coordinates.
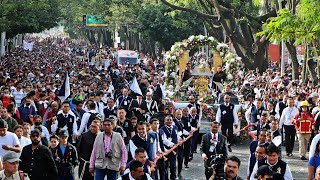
{"type": "Point", "coordinates": [108, 154]}
{"type": "Point", "coordinates": [216, 166]}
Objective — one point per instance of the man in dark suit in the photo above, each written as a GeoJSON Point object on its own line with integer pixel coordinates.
{"type": "Point", "coordinates": [213, 143]}
{"type": "Point", "coordinates": [138, 107]}
{"type": "Point", "coordinates": [228, 117]}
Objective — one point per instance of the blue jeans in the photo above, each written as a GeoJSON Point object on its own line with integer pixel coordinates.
{"type": "Point", "coordinates": [101, 173]}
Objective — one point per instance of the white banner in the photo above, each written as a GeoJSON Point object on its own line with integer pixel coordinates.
{"type": "Point", "coordinates": [28, 46]}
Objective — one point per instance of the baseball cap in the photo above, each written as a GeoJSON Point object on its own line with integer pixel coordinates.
{"type": "Point", "coordinates": [36, 131]}
{"type": "Point", "coordinates": [63, 133]}
{"type": "Point", "coordinates": [10, 157]}
{"type": "Point", "coordinates": [3, 124]}
{"type": "Point", "coordinates": [265, 170]}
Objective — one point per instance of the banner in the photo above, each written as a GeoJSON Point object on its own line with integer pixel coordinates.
{"type": "Point", "coordinates": [28, 46]}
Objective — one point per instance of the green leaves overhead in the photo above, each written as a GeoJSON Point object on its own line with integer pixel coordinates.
{"type": "Point", "coordinates": [302, 26]}
{"type": "Point", "coordinates": [28, 16]}
{"type": "Point", "coordinates": [157, 22]}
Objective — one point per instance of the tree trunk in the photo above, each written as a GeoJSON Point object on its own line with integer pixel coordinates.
{"type": "Point", "coordinates": [295, 64]}
{"type": "Point", "coordinates": [304, 67]}
{"type": "Point", "coordinates": [311, 67]}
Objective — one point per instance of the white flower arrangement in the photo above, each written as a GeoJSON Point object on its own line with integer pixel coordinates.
{"type": "Point", "coordinates": [227, 66]}
{"type": "Point", "coordinates": [173, 75]}
{"type": "Point", "coordinates": [230, 77]}
{"type": "Point", "coordinates": [211, 38]}
{"type": "Point", "coordinates": [230, 59]}
{"type": "Point", "coordinates": [238, 58]}
{"type": "Point", "coordinates": [191, 38]}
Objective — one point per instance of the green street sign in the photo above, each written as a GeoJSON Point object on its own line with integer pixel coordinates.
{"type": "Point", "coordinates": [95, 21]}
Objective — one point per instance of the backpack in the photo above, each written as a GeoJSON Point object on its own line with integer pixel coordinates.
{"type": "Point", "coordinates": [91, 118]}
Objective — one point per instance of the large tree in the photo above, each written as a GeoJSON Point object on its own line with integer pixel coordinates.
{"type": "Point", "coordinates": [30, 16]}
{"type": "Point", "coordinates": [240, 21]}
{"type": "Point", "coordinates": [298, 22]}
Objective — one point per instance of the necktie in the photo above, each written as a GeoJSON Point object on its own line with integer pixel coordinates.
{"type": "Point", "coordinates": [65, 116]}
{"type": "Point", "coordinates": [214, 137]}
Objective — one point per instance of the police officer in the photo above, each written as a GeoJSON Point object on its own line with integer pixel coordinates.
{"type": "Point", "coordinates": [65, 156]}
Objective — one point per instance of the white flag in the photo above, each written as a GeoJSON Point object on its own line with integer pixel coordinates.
{"type": "Point", "coordinates": [135, 86]}
{"type": "Point", "coordinates": [64, 92]}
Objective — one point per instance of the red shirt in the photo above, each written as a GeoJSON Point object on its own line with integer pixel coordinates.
{"type": "Point", "coordinates": [303, 122]}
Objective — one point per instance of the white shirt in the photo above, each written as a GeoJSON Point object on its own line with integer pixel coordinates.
{"type": "Point", "coordinates": [18, 96]}
{"type": "Point", "coordinates": [287, 174]}
{"type": "Point", "coordinates": [235, 115]}
{"type": "Point", "coordinates": [131, 178]}
{"type": "Point", "coordinates": [166, 140]}
{"type": "Point", "coordinates": [84, 121]}
{"type": "Point", "coordinates": [24, 141]}
{"type": "Point", "coordinates": [10, 139]}
{"type": "Point", "coordinates": [54, 125]}
{"type": "Point", "coordinates": [287, 116]}
{"type": "Point", "coordinates": [133, 147]}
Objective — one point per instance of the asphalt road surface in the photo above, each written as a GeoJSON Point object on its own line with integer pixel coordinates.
{"type": "Point", "coordinates": [298, 167]}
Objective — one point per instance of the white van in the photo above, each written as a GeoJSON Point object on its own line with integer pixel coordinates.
{"type": "Point", "coordinates": [126, 57]}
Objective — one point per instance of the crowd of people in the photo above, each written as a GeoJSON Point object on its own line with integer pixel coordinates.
{"type": "Point", "coordinates": [108, 130]}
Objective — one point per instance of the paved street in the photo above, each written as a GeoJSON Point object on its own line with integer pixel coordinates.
{"type": "Point", "coordinates": [196, 171]}
{"type": "Point", "coordinates": [298, 168]}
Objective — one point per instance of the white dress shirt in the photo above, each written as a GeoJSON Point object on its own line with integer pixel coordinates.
{"type": "Point", "coordinates": [235, 115]}
{"type": "Point", "coordinates": [287, 116]}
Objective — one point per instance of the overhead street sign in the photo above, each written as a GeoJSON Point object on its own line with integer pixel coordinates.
{"type": "Point", "coordinates": [95, 21]}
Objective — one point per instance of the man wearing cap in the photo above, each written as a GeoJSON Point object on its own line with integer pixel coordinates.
{"type": "Point", "coordinates": [10, 168]}
{"type": "Point", "coordinates": [65, 156]}
{"type": "Point", "coordinates": [37, 160]}
{"type": "Point", "coordinates": [8, 140]}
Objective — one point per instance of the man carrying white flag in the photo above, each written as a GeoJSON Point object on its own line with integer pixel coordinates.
{"type": "Point", "coordinates": [135, 86]}
{"type": "Point", "coordinates": [64, 92]}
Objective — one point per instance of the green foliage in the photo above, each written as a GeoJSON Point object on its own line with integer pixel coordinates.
{"type": "Point", "coordinates": [304, 26]}
{"type": "Point", "coordinates": [28, 16]}
{"type": "Point", "coordinates": [159, 23]}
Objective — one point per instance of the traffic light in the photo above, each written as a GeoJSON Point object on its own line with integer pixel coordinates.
{"type": "Point", "coordinates": [84, 20]}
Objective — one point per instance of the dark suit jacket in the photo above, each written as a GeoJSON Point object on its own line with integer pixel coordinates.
{"type": "Point", "coordinates": [158, 94]}
{"type": "Point", "coordinates": [221, 147]}
{"type": "Point", "coordinates": [143, 105]}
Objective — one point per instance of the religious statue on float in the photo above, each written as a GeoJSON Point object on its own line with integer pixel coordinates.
{"type": "Point", "coordinates": [202, 73]}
